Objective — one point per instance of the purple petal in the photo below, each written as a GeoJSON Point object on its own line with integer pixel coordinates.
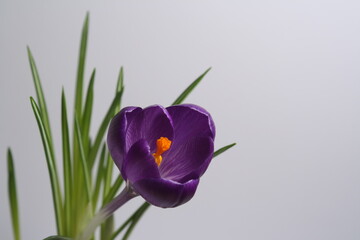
{"type": "Point", "coordinates": [152, 123]}
{"type": "Point", "coordinates": [188, 191]}
{"type": "Point", "coordinates": [191, 120]}
{"type": "Point", "coordinates": [165, 193]}
{"type": "Point", "coordinates": [139, 163]}
{"type": "Point", "coordinates": [116, 134]}
{"type": "Point", "coordinates": [187, 161]}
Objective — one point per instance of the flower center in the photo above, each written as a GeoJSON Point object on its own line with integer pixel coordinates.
{"type": "Point", "coordinates": [162, 145]}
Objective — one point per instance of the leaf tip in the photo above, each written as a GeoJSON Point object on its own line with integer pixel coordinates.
{"type": "Point", "coordinates": [9, 154]}
{"type": "Point", "coordinates": [29, 52]}
{"type": "Point", "coordinates": [92, 78]}
{"type": "Point", "coordinates": [62, 93]}
{"type": "Point", "coordinates": [10, 162]}
{"type": "Point", "coordinates": [87, 16]}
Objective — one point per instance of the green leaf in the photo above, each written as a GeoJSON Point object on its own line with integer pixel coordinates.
{"type": "Point", "coordinates": [86, 116]}
{"type": "Point", "coordinates": [57, 238]}
{"type": "Point", "coordinates": [99, 176]}
{"type": "Point", "coordinates": [55, 187]}
{"type": "Point", "coordinates": [120, 87]}
{"type": "Point", "coordinates": [223, 149]}
{"type": "Point", "coordinates": [136, 215]}
{"type": "Point", "coordinates": [110, 163]}
{"type": "Point", "coordinates": [135, 220]}
{"type": "Point", "coordinates": [85, 167]}
{"type": "Point", "coordinates": [79, 95]}
{"type": "Point", "coordinates": [81, 68]}
{"type": "Point", "coordinates": [108, 175]}
{"type": "Point", "coordinates": [13, 196]}
{"type": "Point", "coordinates": [114, 189]}
{"type": "Point", "coordinates": [104, 124]}
{"type": "Point", "coordinates": [190, 88]}
{"type": "Point", "coordinates": [40, 95]}
{"type": "Point", "coordinates": [68, 180]}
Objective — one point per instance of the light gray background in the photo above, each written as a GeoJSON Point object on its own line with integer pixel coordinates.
{"type": "Point", "coordinates": [284, 86]}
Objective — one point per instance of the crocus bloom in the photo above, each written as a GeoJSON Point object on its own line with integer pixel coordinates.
{"type": "Point", "coordinates": [162, 152]}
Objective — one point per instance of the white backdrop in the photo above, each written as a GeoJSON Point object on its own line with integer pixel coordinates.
{"type": "Point", "coordinates": [284, 86]}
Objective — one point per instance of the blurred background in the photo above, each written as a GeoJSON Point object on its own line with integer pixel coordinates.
{"type": "Point", "coordinates": [284, 85]}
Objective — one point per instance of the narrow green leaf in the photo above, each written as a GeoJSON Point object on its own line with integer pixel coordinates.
{"type": "Point", "coordinates": [114, 189]}
{"type": "Point", "coordinates": [223, 149]}
{"type": "Point", "coordinates": [68, 180]}
{"type": "Point", "coordinates": [79, 96]}
{"type": "Point", "coordinates": [86, 116]}
{"type": "Point", "coordinates": [108, 176]}
{"type": "Point", "coordinates": [120, 87]}
{"type": "Point", "coordinates": [40, 95]}
{"type": "Point", "coordinates": [110, 163]}
{"type": "Point", "coordinates": [78, 189]}
{"type": "Point", "coordinates": [135, 220]}
{"type": "Point", "coordinates": [57, 238]}
{"type": "Point", "coordinates": [137, 214]}
{"type": "Point", "coordinates": [14, 208]}
{"type": "Point", "coordinates": [55, 187]}
{"type": "Point", "coordinates": [122, 227]}
{"type": "Point", "coordinates": [81, 68]}
{"type": "Point", "coordinates": [104, 124]}
{"type": "Point", "coordinates": [99, 177]}
{"type": "Point", "coordinates": [190, 88]}
{"type": "Point", "coordinates": [84, 164]}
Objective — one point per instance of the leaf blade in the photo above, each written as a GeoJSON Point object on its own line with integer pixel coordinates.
{"type": "Point", "coordinates": [86, 116]}
{"type": "Point", "coordinates": [81, 68]}
{"type": "Point", "coordinates": [108, 175]}
{"type": "Point", "coordinates": [138, 213]}
{"type": "Point", "coordinates": [103, 126]}
{"type": "Point", "coordinates": [40, 95]}
{"type": "Point", "coordinates": [120, 87]}
{"type": "Point", "coordinates": [190, 88]}
{"type": "Point", "coordinates": [99, 177]}
{"type": "Point", "coordinates": [223, 149]}
{"type": "Point", "coordinates": [136, 219]}
{"type": "Point", "coordinates": [14, 207]}
{"type": "Point", "coordinates": [54, 180]}
{"type": "Point", "coordinates": [85, 168]}
{"type": "Point", "coordinates": [114, 189]}
{"type": "Point", "coordinates": [67, 172]}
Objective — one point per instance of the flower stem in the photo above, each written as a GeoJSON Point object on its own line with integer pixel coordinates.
{"type": "Point", "coordinates": [106, 212]}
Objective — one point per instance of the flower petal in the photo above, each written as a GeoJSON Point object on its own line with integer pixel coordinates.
{"type": "Point", "coordinates": [191, 120]}
{"type": "Point", "coordinates": [165, 193]}
{"type": "Point", "coordinates": [116, 134]}
{"type": "Point", "coordinates": [152, 123]}
{"type": "Point", "coordinates": [187, 161]}
{"type": "Point", "coordinates": [139, 163]}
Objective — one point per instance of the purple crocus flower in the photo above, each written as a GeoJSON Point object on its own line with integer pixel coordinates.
{"type": "Point", "coordinates": [162, 152]}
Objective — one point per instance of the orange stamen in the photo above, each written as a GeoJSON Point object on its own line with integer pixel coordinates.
{"type": "Point", "coordinates": [162, 145]}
